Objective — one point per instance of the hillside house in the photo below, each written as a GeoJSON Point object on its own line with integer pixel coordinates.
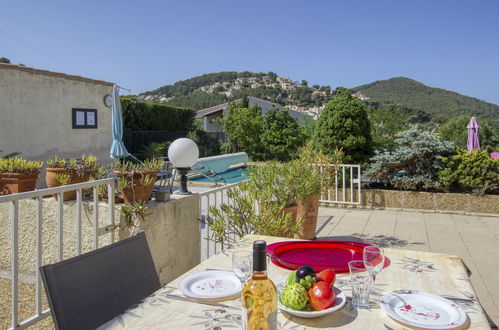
{"type": "Point", "coordinates": [43, 114]}
{"type": "Point", "coordinates": [207, 116]}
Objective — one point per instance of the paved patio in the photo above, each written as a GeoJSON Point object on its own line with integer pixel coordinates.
{"type": "Point", "coordinates": [474, 238]}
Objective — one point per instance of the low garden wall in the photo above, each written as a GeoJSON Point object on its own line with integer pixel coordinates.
{"type": "Point", "coordinates": [172, 231]}
{"type": "Point", "coordinates": [434, 201]}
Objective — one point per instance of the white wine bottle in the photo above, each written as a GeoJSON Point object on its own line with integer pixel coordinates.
{"type": "Point", "coordinates": [259, 295]}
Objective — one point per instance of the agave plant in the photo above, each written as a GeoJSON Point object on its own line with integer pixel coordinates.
{"type": "Point", "coordinates": [19, 165]}
{"type": "Point", "coordinates": [86, 166]}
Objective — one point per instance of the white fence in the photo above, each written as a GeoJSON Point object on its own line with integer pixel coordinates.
{"type": "Point", "coordinates": [345, 188]}
{"type": "Point", "coordinates": [38, 195]}
{"type": "Point", "coordinates": [207, 199]}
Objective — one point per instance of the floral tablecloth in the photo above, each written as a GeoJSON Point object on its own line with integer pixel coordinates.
{"type": "Point", "coordinates": [440, 274]}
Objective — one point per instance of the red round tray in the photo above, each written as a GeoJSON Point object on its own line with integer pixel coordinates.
{"type": "Point", "coordinates": [317, 254]}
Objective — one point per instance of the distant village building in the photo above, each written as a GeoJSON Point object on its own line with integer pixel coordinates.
{"type": "Point", "coordinates": [209, 115]}
{"type": "Point", "coordinates": [46, 113]}
{"type": "Point", "coordinates": [360, 96]}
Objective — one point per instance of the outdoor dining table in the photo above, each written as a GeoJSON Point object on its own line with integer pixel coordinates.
{"type": "Point", "coordinates": [435, 273]}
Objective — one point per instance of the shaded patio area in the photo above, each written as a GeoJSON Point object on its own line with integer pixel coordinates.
{"type": "Point", "coordinates": [473, 238]}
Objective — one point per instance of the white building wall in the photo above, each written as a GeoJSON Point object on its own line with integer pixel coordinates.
{"type": "Point", "coordinates": [36, 114]}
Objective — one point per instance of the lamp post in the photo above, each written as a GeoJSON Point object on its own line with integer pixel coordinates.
{"type": "Point", "coordinates": [183, 153]}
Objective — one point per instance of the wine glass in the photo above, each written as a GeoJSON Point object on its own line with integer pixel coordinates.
{"type": "Point", "coordinates": [241, 265]}
{"type": "Point", "coordinates": [376, 257]}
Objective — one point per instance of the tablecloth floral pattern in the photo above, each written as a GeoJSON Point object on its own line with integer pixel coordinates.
{"type": "Point", "coordinates": [439, 274]}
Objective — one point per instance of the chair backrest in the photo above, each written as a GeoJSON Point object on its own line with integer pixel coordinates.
{"type": "Point", "coordinates": [86, 291]}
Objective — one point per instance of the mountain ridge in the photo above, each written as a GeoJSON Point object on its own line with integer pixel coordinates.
{"type": "Point", "coordinates": [215, 88]}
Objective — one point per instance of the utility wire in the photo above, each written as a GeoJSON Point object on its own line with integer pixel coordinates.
{"type": "Point", "coordinates": [52, 56]}
{"type": "Point", "coordinates": [45, 53]}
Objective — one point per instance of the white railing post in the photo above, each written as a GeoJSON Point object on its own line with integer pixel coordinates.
{"type": "Point", "coordinates": [39, 215]}
{"type": "Point", "coordinates": [96, 217]}
{"type": "Point", "coordinates": [14, 262]}
{"type": "Point", "coordinates": [60, 226]}
{"type": "Point", "coordinates": [78, 221]}
{"type": "Point", "coordinates": [110, 207]}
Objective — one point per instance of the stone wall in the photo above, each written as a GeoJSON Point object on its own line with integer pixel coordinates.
{"type": "Point", "coordinates": [172, 231]}
{"type": "Point", "coordinates": [437, 202]}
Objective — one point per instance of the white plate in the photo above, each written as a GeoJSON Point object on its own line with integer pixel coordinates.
{"type": "Point", "coordinates": [339, 302]}
{"type": "Point", "coordinates": [423, 310]}
{"type": "Point", "coordinates": [210, 285]}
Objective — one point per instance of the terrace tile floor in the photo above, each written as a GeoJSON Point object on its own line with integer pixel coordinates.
{"type": "Point", "coordinates": [474, 238]}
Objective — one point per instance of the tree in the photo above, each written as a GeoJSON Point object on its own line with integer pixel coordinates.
{"type": "Point", "coordinates": [4, 60]}
{"type": "Point", "coordinates": [385, 124]}
{"type": "Point", "coordinates": [415, 162]}
{"type": "Point", "coordinates": [455, 130]}
{"type": "Point", "coordinates": [281, 135]}
{"type": "Point", "coordinates": [344, 125]}
{"type": "Point", "coordinates": [316, 87]}
{"type": "Point", "coordinates": [304, 83]}
{"type": "Point", "coordinates": [243, 126]}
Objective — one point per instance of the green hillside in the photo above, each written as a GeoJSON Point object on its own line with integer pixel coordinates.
{"type": "Point", "coordinates": [439, 103]}
{"type": "Point", "coordinates": [219, 87]}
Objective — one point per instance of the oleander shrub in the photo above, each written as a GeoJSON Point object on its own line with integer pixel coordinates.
{"type": "Point", "coordinates": [414, 163]}
{"type": "Point", "coordinates": [474, 172]}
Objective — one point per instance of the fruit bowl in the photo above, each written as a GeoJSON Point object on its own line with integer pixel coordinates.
{"type": "Point", "coordinates": [339, 302]}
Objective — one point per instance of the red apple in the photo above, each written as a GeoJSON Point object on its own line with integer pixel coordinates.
{"type": "Point", "coordinates": [321, 296]}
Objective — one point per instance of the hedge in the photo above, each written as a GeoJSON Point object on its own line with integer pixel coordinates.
{"type": "Point", "coordinates": [146, 116]}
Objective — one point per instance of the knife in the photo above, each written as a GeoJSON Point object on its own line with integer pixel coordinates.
{"type": "Point", "coordinates": [173, 296]}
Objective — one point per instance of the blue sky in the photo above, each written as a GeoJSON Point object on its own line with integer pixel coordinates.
{"type": "Point", "coordinates": [143, 45]}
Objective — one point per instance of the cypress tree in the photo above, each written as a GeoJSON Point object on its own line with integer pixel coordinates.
{"type": "Point", "coordinates": [344, 125]}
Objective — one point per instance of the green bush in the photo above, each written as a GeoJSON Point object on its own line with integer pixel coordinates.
{"type": "Point", "coordinates": [475, 172]}
{"type": "Point", "coordinates": [157, 149]}
{"type": "Point", "coordinates": [146, 116]}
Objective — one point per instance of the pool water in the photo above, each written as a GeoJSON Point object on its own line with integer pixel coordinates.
{"type": "Point", "coordinates": [230, 176]}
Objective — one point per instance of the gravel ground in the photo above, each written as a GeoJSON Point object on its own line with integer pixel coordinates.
{"type": "Point", "coordinates": [26, 305]}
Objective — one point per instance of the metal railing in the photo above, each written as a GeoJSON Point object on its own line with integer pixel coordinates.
{"type": "Point", "coordinates": [214, 197]}
{"type": "Point", "coordinates": [38, 196]}
{"type": "Point", "coordinates": [345, 184]}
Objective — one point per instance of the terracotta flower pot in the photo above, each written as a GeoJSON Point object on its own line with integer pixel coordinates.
{"type": "Point", "coordinates": [293, 211]}
{"type": "Point", "coordinates": [12, 183]}
{"type": "Point", "coordinates": [51, 180]}
{"type": "Point", "coordinates": [308, 210]}
{"type": "Point", "coordinates": [136, 191]}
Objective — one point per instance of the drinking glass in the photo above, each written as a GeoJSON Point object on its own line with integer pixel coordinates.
{"type": "Point", "coordinates": [360, 279]}
{"type": "Point", "coordinates": [376, 256]}
{"type": "Point", "coordinates": [241, 264]}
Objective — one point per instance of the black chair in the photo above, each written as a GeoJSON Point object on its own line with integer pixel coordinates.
{"type": "Point", "coordinates": [86, 291]}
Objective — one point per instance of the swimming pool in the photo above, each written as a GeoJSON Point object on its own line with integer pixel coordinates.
{"type": "Point", "coordinates": [231, 176]}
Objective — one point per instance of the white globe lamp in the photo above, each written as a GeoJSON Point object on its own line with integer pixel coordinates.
{"type": "Point", "coordinates": [183, 153]}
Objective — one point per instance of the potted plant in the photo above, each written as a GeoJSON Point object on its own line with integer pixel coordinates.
{"type": "Point", "coordinates": [18, 175]}
{"type": "Point", "coordinates": [313, 174]}
{"type": "Point", "coordinates": [70, 171]}
{"type": "Point", "coordinates": [136, 181]}
{"type": "Point", "coordinates": [246, 214]}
